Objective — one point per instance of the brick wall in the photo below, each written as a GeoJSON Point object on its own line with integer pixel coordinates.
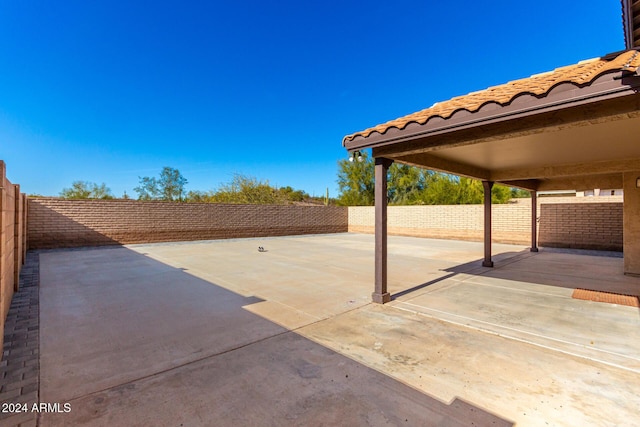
{"type": "Point", "coordinates": [577, 222]}
{"type": "Point", "coordinates": [12, 241]}
{"type": "Point", "coordinates": [55, 223]}
{"type": "Point", "coordinates": [511, 223]}
{"type": "Point", "coordinates": [587, 222]}
{"type": "Point", "coordinates": [586, 226]}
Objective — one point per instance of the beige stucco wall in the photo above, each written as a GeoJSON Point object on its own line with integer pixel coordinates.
{"type": "Point", "coordinates": [631, 223]}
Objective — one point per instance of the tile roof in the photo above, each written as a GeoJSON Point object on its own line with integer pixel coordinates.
{"type": "Point", "coordinates": [581, 74]}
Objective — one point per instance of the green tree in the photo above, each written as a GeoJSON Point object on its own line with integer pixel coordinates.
{"type": "Point", "coordinates": [356, 181]}
{"type": "Point", "coordinates": [148, 189]}
{"type": "Point", "coordinates": [406, 184]}
{"type": "Point", "coordinates": [200, 196]}
{"type": "Point", "coordinates": [293, 195]}
{"type": "Point", "coordinates": [518, 193]}
{"type": "Point", "coordinates": [446, 189]}
{"type": "Point", "coordinates": [169, 186]}
{"type": "Point", "coordinates": [86, 190]}
{"type": "Point", "coordinates": [248, 190]}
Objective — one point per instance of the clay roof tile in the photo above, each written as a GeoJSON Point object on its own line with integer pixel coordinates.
{"type": "Point", "coordinates": [580, 74]}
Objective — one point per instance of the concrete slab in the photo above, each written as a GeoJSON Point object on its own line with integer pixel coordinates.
{"type": "Point", "coordinates": [203, 333]}
{"type": "Point", "coordinates": [528, 298]}
{"type": "Point", "coordinates": [110, 316]}
{"type": "Point", "coordinates": [528, 384]}
{"type": "Point", "coordinates": [285, 380]}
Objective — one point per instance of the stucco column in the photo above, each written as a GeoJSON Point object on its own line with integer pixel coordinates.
{"type": "Point", "coordinates": [631, 223]}
{"type": "Point", "coordinates": [534, 221]}
{"type": "Point", "coordinates": [487, 185]}
{"type": "Point", "coordinates": [380, 294]}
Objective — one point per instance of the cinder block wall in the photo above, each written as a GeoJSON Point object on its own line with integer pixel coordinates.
{"type": "Point", "coordinates": [585, 226]}
{"type": "Point", "coordinates": [576, 222]}
{"type": "Point", "coordinates": [511, 223]}
{"type": "Point", "coordinates": [587, 222]}
{"type": "Point", "coordinates": [55, 223]}
{"type": "Point", "coordinates": [12, 242]}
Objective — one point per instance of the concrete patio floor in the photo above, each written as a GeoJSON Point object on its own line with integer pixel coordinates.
{"type": "Point", "coordinates": [217, 333]}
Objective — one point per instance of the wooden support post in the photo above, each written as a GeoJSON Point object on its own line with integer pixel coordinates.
{"type": "Point", "coordinates": [380, 294]}
{"type": "Point", "coordinates": [534, 221]}
{"type": "Point", "coordinates": [487, 185]}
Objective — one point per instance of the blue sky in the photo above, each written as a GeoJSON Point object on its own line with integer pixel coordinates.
{"type": "Point", "coordinates": [108, 91]}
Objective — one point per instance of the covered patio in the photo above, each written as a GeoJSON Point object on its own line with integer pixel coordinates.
{"type": "Point", "coordinates": [572, 128]}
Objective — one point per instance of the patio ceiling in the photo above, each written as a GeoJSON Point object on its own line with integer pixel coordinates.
{"type": "Point", "coordinates": [572, 128]}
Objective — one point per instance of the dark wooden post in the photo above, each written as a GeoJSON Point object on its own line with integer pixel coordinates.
{"type": "Point", "coordinates": [487, 185]}
{"type": "Point", "coordinates": [534, 221]}
{"type": "Point", "coordinates": [380, 294]}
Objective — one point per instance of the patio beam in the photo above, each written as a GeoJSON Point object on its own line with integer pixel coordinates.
{"type": "Point", "coordinates": [487, 186]}
{"type": "Point", "coordinates": [380, 294]}
{"type": "Point", "coordinates": [429, 161]}
{"type": "Point", "coordinates": [581, 169]}
{"type": "Point", "coordinates": [527, 184]}
{"type": "Point", "coordinates": [580, 183]}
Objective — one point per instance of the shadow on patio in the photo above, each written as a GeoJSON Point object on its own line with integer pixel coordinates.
{"type": "Point", "coordinates": [528, 297]}
{"type": "Point", "coordinates": [126, 338]}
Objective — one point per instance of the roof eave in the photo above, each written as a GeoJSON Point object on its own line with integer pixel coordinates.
{"type": "Point", "coordinates": [566, 95]}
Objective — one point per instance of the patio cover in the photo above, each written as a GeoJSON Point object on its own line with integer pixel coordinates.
{"type": "Point", "coordinates": [572, 128]}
